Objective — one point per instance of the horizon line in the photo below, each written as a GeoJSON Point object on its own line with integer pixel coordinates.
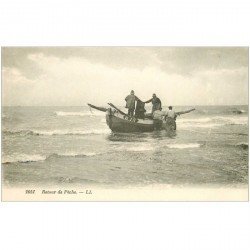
{"type": "Point", "coordinates": [122, 105]}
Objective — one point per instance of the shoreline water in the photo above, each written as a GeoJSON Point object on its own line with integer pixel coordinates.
{"type": "Point", "coordinates": [48, 145]}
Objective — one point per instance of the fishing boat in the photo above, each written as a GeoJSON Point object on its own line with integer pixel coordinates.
{"type": "Point", "coordinates": [120, 122]}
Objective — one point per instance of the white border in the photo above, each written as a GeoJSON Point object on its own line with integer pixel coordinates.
{"type": "Point", "coordinates": [124, 225]}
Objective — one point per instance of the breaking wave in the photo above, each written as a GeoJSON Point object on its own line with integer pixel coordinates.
{"type": "Point", "coordinates": [230, 120]}
{"type": "Point", "coordinates": [83, 113]}
{"type": "Point", "coordinates": [242, 145]}
{"type": "Point", "coordinates": [140, 148]}
{"type": "Point", "coordinates": [193, 125]}
{"type": "Point", "coordinates": [133, 147]}
{"type": "Point", "coordinates": [219, 110]}
{"type": "Point", "coordinates": [211, 122]}
{"type": "Point", "coordinates": [243, 111]}
{"type": "Point", "coordinates": [196, 120]}
{"type": "Point", "coordinates": [238, 112]}
{"type": "Point", "coordinates": [24, 158]}
{"type": "Point", "coordinates": [183, 146]}
{"type": "Point", "coordinates": [73, 154]}
{"type": "Point", "coordinates": [59, 132]}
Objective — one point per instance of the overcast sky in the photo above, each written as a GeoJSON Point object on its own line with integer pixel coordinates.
{"type": "Point", "coordinates": [74, 76]}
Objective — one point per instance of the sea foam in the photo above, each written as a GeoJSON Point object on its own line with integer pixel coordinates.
{"type": "Point", "coordinates": [22, 158]}
{"type": "Point", "coordinates": [211, 122]}
{"type": "Point", "coordinates": [25, 158]}
{"type": "Point", "coordinates": [74, 132]}
{"type": "Point", "coordinates": [193, 125]}
{"type": "Point", "coordinates": [183, 146]}
{"type": "Point", "coordinates": [242, 145]}
{"type": "Point", "coordinates": [75, 154]}
{"type": "Point", "coordinates": [231, 120]}
{"type": "Point", "coordinates": [140, 148]}
{"type": "Point", "coordinates": [59, 132]}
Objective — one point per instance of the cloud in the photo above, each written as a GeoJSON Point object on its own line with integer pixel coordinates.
{"type": "Point", "coordinates": [16, 87]}
{"type": "Point", "coordinates": [191, 60]}
{"type": "Point", "coordinates": [77, 79]}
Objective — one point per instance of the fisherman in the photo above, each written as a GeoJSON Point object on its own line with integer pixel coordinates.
{"type": "Point", "coordinates": [156, 102]}
{"type": "Point", "coordinates": [130, 103]}
{"type": "Point", "coordinates": [171, 113]}
{"type": "Point", "coordinates": [140, 110]}
{"type": "Point", "coordinates": [170, 118]}
{"type": "Point", "coordinates": [158, 116]}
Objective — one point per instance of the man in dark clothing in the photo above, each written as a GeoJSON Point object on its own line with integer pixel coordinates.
{"type": "Point", "coordinates": [130, 103]}
{"type": "Point", "coordinates": [140, 110]}
{"type": "Point", "coordinates": [156, 102]}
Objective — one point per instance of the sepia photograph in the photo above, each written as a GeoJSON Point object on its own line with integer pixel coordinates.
{"type": "Point", "coordinates": [125, 123]}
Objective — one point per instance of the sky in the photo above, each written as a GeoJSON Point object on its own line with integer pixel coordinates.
{"type": "Point", "coordinates": [75, 76]}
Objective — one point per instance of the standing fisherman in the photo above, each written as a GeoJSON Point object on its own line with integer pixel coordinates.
{"type": "Point", "coordinates": [171, 116]}
{"type": "Point", "coordinates": [156, 102]}
{"type": "Point", "coordinates": [130, 103]}
{"type": "Point", "coordinates": [158, 116]}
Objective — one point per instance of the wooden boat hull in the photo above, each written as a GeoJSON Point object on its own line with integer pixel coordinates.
{"type": "Point", "coordinates": [119, 124]}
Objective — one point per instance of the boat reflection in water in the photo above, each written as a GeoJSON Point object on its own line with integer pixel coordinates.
{"type": "Point", "coordinates": [141, 137]}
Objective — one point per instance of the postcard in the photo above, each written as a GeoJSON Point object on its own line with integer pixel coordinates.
{"type": "Point", "coordinates": [125, 123]}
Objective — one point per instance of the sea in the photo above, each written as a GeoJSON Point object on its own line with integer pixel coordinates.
{"type": "Point", "coordinates": [58, 146]}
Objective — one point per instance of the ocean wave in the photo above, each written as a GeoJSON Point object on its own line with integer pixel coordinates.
{"type": "Point", "coordinates": [13, 132]}
{"type": "Point", "coordinates": [196, 120]}
{"type": "Point", "coordinates": [230, 120]}
{"type": "Point", "coordinates": [22, 158]}
{"type": "Point", "coordinates": [217, 111]}
{"type": "Point", "coordinates": [133, 147]}
{"type": "Point", "coordinates": [193, 125]}
{"type": "Point", "coordinates": [73, 154]}
{"type": "Point", "coordinates": [205, 122]}
{"type": "Point", "coordinates": [242, 145]}
{"type": "Point", "coordinates": [183, 146]}
{"type": "Point", "coordinates": [58, 132]}
{"type": "Point", "coordinates": [211, 122]}
{"type": "Point", "coordinates": [83, 113]}
{"type": "Point", "coordinates": [238, 112]}
{"type": "Point", "coordinates": [74, 132]}
{"type": "Point", "coordinates": [140, 148]}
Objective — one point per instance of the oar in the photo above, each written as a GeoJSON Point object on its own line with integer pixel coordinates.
{"type": "Point", "coordinates": [98, 108]}
{"type": "Point", "coordinates": [184, 112]}
{"type": "Point", "coordinates": [113, 106]}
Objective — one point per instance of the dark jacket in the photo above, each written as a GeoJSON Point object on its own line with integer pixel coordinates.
{"type": "Point", "coordinates": [140, 110]}
{"type": "Point", "coordinates": [130, 101]}
{"type": "Point", "coordinates": [156, 102]}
